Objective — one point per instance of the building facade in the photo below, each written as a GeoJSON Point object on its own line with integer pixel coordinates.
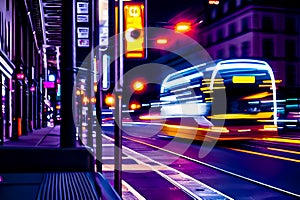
{"type": "Point", "coordinates": [20, 71]}
{"type": "Point", "coordinates": [257, 29]}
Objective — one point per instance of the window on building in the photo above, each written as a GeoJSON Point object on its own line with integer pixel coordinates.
{"type": "Point", "coordinates": [232, 51]}
{"type": "Point", "coordinates": [232, 4]}
{"type": "Point", "coordinates": [219, 34]}
{"type": "Point", "coordinates": [7, 4]}
{"type": "Point", "coordinates": [214, 14]}
{"type": "Point", "coordinates": [231, 30]}
{"type": "Point", "coordinates": [209, 39]}
{"type": "Point", "coordinates": [245, 24]}
{"type": "Point", "coordinates": [290, 25]}
{"type": "Point", "coordinates": [245, 49]}
{"type": "Point", "coordinates": [290, 49]}
{"type": "Point", "coordinates": [267, 48]}
{"type": "Point", "coordinates": [268, 24]}
{"type": "Point", "coordinates": [225, 7]}
{"type": "Point", "coordinates": [220, 54]}
{"type": "Point", "coordinates": [255, 21]}
{"type": "Point", "coordinates": [290, 74]}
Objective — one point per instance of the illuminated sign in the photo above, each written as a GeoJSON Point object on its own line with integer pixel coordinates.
{"type": "Point", "coordinates": [49, 84]}
{"type": "Point", "coordinates": [134, 23]}
{"type": "Point", "coordinates": [213, 2]}
{"type": "Point", "coordinates": [51, 77]}
{"type": "Point", "coordinates": [243, 79]}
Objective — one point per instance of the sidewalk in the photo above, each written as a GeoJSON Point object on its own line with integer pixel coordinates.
{"type": "Point", "coordinates": [44, 137]}
{"type": "Point", "coordinates": [35, 167]}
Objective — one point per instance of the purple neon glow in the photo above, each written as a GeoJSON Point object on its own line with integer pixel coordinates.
{"type": "Point", "coordinates": [20, 76]}
{"type": "Point", "coordinates": [32, 88]}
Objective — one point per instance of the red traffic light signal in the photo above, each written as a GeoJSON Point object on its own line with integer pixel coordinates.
{"type": "Point", "coordinates": [134, 24]}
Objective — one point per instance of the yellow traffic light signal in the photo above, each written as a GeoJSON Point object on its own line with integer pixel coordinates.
{"type": "Point", "coordinates": [134, 23]}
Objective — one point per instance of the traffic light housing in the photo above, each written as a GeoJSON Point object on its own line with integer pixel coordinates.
{"type": "Point", "coordinates": [134, 30]}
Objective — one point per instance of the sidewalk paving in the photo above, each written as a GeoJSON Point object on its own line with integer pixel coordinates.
{"type": "Point", "coordinates": [44, 137]}
{"type": "Point", "coordinates": [34, 157]}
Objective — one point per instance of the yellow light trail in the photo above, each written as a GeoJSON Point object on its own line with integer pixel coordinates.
{"type": "Point", "coordinates": [284, 150]}
{"type": "Point", "coordinates": [266, 155]}
{"type": "Point", "coordinates": [260, 115]}
{"type": "Point", "coordinates": [209, 165]}
{"type": "Point", "coordinates": [283, 140]}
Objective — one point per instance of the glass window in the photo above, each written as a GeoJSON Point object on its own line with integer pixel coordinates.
{"type": "Point", "coordinates": [290, 25]}
{"type": "Point", "coordinates": [219, 34]}
{"type": "Point", "coordinates": [220, 53]}
{"type": "Point", "coordinates": [225, 8]}
{"type": "Point", "coordinates": [290, 75]}
{"type": "Point", "coordinates": [232, 51]}
{"type": "Point", "coordinates": [267, 24]}
{"type": "Point", "coordinates": [209, 39]}
{"type": "Point", "coordinates": [267, 48]}
{"type": "Point", "coordinates": [245, 24]}
{"type": "Point", "coordinates": [7, 5]}
{"type": "Point", "coordinates": [290, 48]}
{"type": "Point", "coordinates": [231, 29]}
{"type": "Point", "coordinates": [245, 48]}
{"type": "Point", "coordinates": [232, 5]}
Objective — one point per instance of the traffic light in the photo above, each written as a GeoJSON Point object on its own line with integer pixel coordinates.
{"type": "Point", "coordinates": [134, 24]}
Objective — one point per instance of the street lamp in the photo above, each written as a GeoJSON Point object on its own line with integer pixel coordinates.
{"type": "Point", "coordinates": [109, 100]}
{"type": "Point", "coordinates": [183, 27]}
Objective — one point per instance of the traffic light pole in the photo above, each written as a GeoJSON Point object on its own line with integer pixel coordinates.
{"type": "Point", "coordinates": [118, 144]}
{"type": "Point", "coordinates": [118, 99]}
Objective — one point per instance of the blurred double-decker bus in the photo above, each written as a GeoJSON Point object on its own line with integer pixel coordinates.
{"type": "Point", "coordinates": [221, 100]}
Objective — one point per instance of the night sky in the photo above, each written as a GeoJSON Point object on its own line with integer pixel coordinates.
{"type": "Point", "coordinates": [166, 10]}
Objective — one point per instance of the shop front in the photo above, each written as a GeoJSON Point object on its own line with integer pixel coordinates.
{"type": "Point", "coordinates": [6, 71]}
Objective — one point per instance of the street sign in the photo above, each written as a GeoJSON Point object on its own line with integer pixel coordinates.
{"type": "Point", "coordinates": [134, 28]}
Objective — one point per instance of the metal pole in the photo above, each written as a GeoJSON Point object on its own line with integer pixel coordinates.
{"type": "Point", "coordinates": [67, 129]}
{"type": "Point", "coordinates": [118, 144]}
{"type": "Point", "coordinates": [90, 81]}
{"type": "Point", "coordinates": [98, 93]}
{"type": "Point", "coordinates": [118, 102]}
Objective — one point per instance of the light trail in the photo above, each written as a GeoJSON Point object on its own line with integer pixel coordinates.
{"type": "Point", "coordinates": [265, 155]}
{"type": "Point", "coordinates": [284, 150]}
{"type": "Point", "coordinates": [282, 140]}
{"type": "Point", "coordinates": [216, 168]}
{"type": "Point", "coordinates": [186, 183]}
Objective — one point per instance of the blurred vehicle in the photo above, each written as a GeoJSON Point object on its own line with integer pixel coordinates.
{"type": "Point", "coordinates": [220, 100]}
{"type": "Point", "coordinates": [107, 117]}
{"type": "Point", "coordinates": [288, 114]}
